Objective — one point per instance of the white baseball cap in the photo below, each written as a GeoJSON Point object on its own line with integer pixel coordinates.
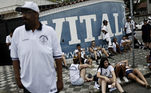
{"type": "Point", "coordinates": [28, 5]}
{"type": "Point", "coordinates": [149, 17]}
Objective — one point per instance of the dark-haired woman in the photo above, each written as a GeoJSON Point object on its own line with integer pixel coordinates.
{"type": "Point", "coordinates": [106, 75]}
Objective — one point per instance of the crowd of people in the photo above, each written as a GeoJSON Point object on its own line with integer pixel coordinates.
{"type": "Point", "coordinates": [29, 55]}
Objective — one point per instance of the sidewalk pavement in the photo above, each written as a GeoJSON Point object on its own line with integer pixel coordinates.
{"type": "Point", "coordinates": [8, 85]}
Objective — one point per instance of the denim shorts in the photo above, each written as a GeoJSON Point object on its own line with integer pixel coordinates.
{"type": "Point", "coordinates": [128, 72]}
{"type": "Point", "coordinates": [80, 81]}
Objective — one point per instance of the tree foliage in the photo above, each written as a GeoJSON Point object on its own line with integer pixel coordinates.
{"type": "Point", "coordinates": [135, 5]}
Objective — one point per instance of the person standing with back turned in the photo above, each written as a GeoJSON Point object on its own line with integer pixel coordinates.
{"type": "Point", "coordinates": [33, 50]}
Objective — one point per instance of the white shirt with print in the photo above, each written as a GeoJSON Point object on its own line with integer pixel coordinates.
{"type": "Point", "coordinates": [106, 71]}
{"type": "Point", "coordinates": [74, 72]}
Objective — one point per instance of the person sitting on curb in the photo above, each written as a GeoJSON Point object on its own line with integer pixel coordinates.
{"type": "Point", "coordinates": [96, 52]}
{"type": "Point", "coordinates": [78, 72]}
{"type": "Point", "coordinates": [148, 59]}
{"type": "Point", "coordinates": [80, 54]}
{"type": "Point", "coordinates": [106, 75]}
{"type": "Point", "coordinates": [130, 73]}
{"type": "Point", "coordinates": [125, 44]}
{"type": "Point", "coordinates": [116, 46]}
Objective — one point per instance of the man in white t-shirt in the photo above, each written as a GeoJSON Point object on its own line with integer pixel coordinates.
{"type": "Point", "coordinates": [33, 50]}
{"type": "Point", "coordinates": [9, 40]}
{"type": "Point", "coordinates": [129, 26]}
{"type": "Point", "coordinates": [78, 72]}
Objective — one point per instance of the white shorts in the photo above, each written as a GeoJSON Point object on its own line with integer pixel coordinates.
{"type": "Point", "coordinates": [80, 81]}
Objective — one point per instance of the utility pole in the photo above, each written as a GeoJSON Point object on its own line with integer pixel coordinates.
{"type": "Point", "coordinates": [133, 54]}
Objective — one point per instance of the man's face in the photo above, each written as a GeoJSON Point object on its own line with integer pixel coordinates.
{"type": "Point", "coordinates": [79, 47]}
{"type": "Point", "coordinates": [128, 20]}
{"type": "Point", "coordinates": [145, 22]}
{"type": "Point", "coordinates": [106, 23]}
{"type": "Point", "coordinates": [115, 40]}
{"type": "Point", "coordinates": [93, 43]}
{"type": "Point", "coordinates": [29, 18]}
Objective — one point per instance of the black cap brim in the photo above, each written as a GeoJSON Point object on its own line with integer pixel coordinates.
{"type": "Point", "coordinates": [21, 9]}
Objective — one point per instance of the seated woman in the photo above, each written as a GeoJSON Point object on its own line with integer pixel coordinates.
{"type": "Point", "coordinates": [78, 72]}
{"type": "Point", "coordinates": [148, 59]}
{"type": "Point", "coordinates": [133, 74]}
{"type": "Point", "coordinates": [106, 75]}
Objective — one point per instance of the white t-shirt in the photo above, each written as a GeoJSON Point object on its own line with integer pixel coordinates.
{"type": "Point", "coordinates": [9, 40]}
{"type": "Point", "coordinates": [103, 35]}
{"type": "Point", "coordinates": [122, 41]}
{"type": "Point", "coordinates": [36, 52]}
{"type": "Point", "coordinates": [82, 53]}
{"type": "Point", "coordinates": [74, 72]}
{"type": "Point", "coordinates": [114, 46]}
{"type": "Point", "coordinates": [128, 27]}
{"type": "Point", "coordinates": [106, 72]}
{"type": "Point", "coordinates": [133, 23]}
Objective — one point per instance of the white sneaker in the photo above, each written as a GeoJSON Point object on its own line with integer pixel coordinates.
{"type": "Point", "coordinates": [112, 89]}
{"type": "Point", "coordinates": [125, 79]}
{"type": "Point", "coordinates": [118, 80]}
{"type": "Point", "coordinates": [96, 85]}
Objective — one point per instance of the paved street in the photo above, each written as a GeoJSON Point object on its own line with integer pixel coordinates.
{"type": "Point", "coordinates": [8, 85]}
{"type": "Point", "coordinates": [136, 88]}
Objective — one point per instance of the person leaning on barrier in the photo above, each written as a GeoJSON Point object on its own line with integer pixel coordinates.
{"type": "Point", "coordinates": [33, 50]}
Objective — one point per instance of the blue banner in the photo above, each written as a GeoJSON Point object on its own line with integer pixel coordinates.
{"type": "Point", "coordinates": [82, 24]}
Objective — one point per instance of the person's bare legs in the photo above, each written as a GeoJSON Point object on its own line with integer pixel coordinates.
{"type": "Point", "coordinates": [134, 77]}
{"type": "Point", "coordinates": [103, 85]}
{"type": "Point", "coordinates": [105, 52]}
{"type": "Point", "coordinates": [140, 75]}
{"type": "Point", "coordinates": [119, 87]}
{"type": "Point", "coordinates": [90, 61]}
{"type": "Point", "coordinates": [82, 73]}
